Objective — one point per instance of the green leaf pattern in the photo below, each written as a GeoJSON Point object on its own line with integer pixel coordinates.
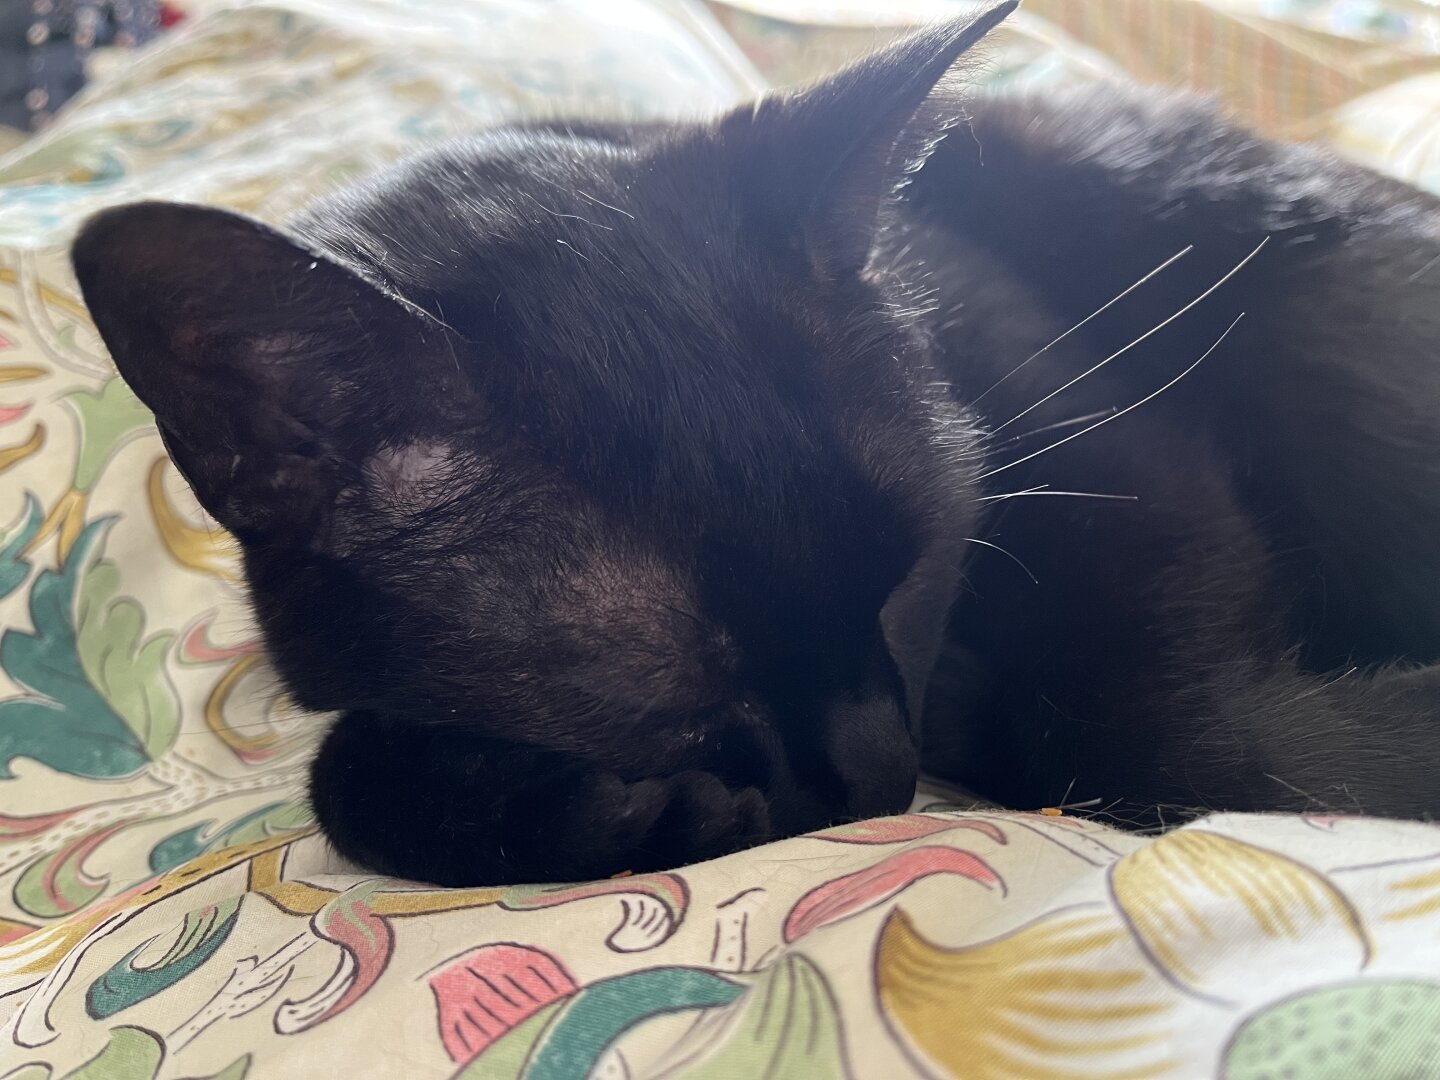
{"type": "Point", "coordinates": [126, 668]}
{"type": "Point", "coordinates": [62, 720]}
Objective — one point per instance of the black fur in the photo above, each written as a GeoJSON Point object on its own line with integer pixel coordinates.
{"type": "Point", "coordinates": [615, 484]}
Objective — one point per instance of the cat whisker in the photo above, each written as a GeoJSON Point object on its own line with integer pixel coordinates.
{"type": "Point", "coordinates": [1068, 790]}
{"type": "Point", "coordinates": [1098, 311]}
{"type": "Point", "coordinates": [1007, 554]}
{"type": "Point", "coordinates": [1153, 330]}
{"type": "Point", "coordinates": [283, 729]}
{"type": "Point", "coordinates": [1055, 426]}
{"type": "Point", "coordinates": [1044, 490]}
{"type": "Point", "coordinates": [1129, 408]}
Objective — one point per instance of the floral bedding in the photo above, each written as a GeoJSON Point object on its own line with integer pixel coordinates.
{"type": "Point", "coordinates": [165, 910]}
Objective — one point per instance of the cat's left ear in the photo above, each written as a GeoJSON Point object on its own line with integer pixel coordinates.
{"type": "Point", "coordinates": [817, 165]}
{"type": "Point", "coordinates": [274, 372]}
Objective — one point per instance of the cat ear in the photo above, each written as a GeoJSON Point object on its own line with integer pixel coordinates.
{"type": "Point", "coordinates": [823, 160]}
{"type": "Point", "coordinates": [268, 366]}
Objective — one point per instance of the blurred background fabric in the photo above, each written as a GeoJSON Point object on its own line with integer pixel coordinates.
{"type": "Point", "coordinates": [1358, 74]}
{"type": "Point", "coordinates": [165, 909]}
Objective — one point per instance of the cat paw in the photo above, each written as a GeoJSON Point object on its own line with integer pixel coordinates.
{"type": "Point", "coordinates": [657, 823]}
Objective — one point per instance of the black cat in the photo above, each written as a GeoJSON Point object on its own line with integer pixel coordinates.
{"type": "Point", "coordinates": [617, 484]}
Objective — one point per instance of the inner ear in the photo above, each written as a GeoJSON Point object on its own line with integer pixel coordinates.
{"type": "Point", "coordinates": [817, 164]}
{"type": "Point", "coordinates": [272, 369]}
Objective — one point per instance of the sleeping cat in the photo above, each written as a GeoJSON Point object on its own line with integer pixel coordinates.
{"type": "Point", "coordinates": [638, 493]}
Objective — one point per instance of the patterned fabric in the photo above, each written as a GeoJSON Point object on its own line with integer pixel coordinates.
{"type": "Point", "coordinates": [167, 912]}
{"type": "Point", "coordinates": [1363, 75]}
{"type": "Point", "coordinates": [944, 942]}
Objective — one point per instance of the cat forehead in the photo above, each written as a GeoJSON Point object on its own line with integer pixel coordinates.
{"type": "Point", "coordinates": [535, 212]}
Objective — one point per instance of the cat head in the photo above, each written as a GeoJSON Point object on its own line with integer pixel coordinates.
{"type": "Point", "coordinates": [606, 440]}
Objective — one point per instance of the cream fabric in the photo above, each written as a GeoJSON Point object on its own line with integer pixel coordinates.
{"type": "Point", "coordinates": [139, 734]}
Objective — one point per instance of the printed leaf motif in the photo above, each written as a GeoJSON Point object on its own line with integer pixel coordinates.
{"type": "Point", "coordinates": [125, 667]}
{"type": "Point", "coordinates": [51, 955]}
{"type": "Point", "coordinates": [14, 930]}
{"type": "Point", "coordinates": [65, 522]}
{"type": "Point", "coordinates": [62, 721]}
{"type": "Point", "coordinates": [1418, 894]}
{"type": "Point", "coordinates": [567, 1037]}
{"type": "Point", "coordinates": [251, 746]}
{"type": "Point", "coordinates": [366, 942]}
{"type": "Point", "coordinates": [251, 983]}
{"type": "Point", "coordinates": [786, 1027]}
{"type": "Point", "coordinates": [1191, 890]}
{"type": "Point", "coordinates": [867, 888]}
{"type": "Point", "coordinates": [14, 567]}
{"type": "Point", "coordinates": [10, 456]}
{"type": "Point", "coordinates": [57, 884]}
{"type": "Point", "coordinates": [268, 821]}
{"type": "Point", "coordinates": [1041, 1001]}
{"type": "Point", "coordinates": [22, 828]}
{"type": "Point", "coordinates": [35, 1070]}
{"type": "Point", "coordinates": [108, 418]}
{"type": "Point", "coordinates": [590, 1021]}
{"type": "Point", "coordinates": [236, 1070]}
{"type": "Point", "coordinates": [132, 1054]}
{"type": "Point", "coordinates": [896, 830]}
{"type": "Point", "coordinates": [652, 906]}
{"type": "Point", "coordinates": [508, 1055]}
{"type": "Point", "coordinates": [487, 992]}
{"type": "Point", "coordinates": [125, 983]}
{"type": "Point", "coordinates": [1362, 1029]}
{"type": "Point", "coordinates": [207, 550]}
{"type": "Point", "coordinates": [196, 647]}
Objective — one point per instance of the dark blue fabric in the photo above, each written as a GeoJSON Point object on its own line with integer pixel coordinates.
{"type": "Point", "coordinates": [57, 64]}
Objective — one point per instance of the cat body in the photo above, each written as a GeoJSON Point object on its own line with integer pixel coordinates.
{"type": "Point", "coordinates": [636, 494]}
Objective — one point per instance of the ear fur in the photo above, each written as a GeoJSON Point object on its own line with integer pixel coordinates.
{"type": "Point", "coordinates": [820, 162]}
{"type": "Point", "coordinates": [269, 366]}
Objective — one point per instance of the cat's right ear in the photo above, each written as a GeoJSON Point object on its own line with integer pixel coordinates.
{"type": "Point", "coordinates": [268, 366]}
{"type": "Point", "coordinates": [816, 165]}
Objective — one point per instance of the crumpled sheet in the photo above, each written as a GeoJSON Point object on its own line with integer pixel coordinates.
{"type": "Point", "coordinates": [169, 915]}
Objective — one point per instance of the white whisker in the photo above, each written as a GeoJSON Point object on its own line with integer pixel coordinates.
{"type": "Point", "coordinates": [1098, 311]}
{"type": "Point", "coordinates": [1153, 330]}
{"type": "Point", "coordinates": [1100, 423]}
{"type": "Point", "coordinates": [1075, 494]}
{"type": "Point", "coordinates": [1002, 551]}
{"type": "Point", "coordinates": [1058, 424]}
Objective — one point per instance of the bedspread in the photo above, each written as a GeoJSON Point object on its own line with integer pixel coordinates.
{"type": "Point", "coordinates": [165, 909]}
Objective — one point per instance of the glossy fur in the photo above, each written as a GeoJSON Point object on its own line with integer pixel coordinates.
{"type": "Point", "coordinates": [614, 484]}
